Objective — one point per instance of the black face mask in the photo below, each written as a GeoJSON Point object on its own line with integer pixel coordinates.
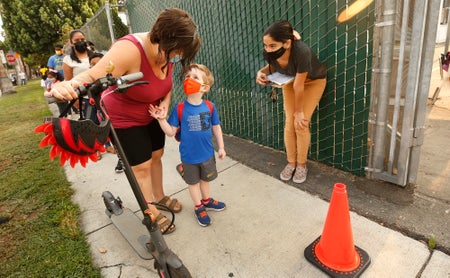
{"type": "Point", "coordinates": [81, 46]}
{"type": "Point", "coordinates": [272, 56]}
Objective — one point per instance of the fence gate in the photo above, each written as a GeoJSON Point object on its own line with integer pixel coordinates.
{"type": "Point", "coordinates": [404, 42]}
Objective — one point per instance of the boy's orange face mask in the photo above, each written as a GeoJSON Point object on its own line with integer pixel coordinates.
{"type": "Point", "coordinates": [191, 86]}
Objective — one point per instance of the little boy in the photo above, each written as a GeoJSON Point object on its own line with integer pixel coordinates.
{"type": "Point", "coordinates": [198, 122]}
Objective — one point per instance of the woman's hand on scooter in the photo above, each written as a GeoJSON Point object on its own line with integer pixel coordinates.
{"type": "Point", "coordinates": [65, 90]}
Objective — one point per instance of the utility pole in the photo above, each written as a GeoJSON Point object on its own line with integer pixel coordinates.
{"type": "Point", "coordinates": [6, 86]}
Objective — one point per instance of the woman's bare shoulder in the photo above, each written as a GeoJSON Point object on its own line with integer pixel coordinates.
{"type": "Point", "coordinates": [120, 55]}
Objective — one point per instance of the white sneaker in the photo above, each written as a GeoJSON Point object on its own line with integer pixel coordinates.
{"type": "Point", "coordinates": [300, 174]}
{"type": "Point", "coordinates": [287, 172]}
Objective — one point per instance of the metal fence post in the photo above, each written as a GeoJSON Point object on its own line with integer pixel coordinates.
{"type": "Point", "coordinates": [398, 86]}
{"type": "Point", "coordinates": [110, 22]}
{"type": "Point", "coordinates": [430, 31]}
{"type": "Point", "coordinates": [384, 82]}
{"type": "Point", "coordinates": [447, 38]}
{"type": "Point", "coordinates": [412, 89]}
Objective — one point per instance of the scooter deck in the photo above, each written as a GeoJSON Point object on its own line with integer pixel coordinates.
{"type": "Point", "coordinates": [132, 229]}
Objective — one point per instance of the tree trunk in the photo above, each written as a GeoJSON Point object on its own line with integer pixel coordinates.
{"type": "Point", "coordinates": [6, 86]}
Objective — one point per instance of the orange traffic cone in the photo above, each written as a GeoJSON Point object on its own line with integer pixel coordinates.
{"type": "Point", "coordinates": [334, 252]}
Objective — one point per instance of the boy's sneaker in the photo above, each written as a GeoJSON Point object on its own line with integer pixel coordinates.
{"type": "Point", "coordinates": [214, 205]}
{"type": "Point", "coordinates": [119, 166]}
{"type": "Point", "coordinates": [202, 217]}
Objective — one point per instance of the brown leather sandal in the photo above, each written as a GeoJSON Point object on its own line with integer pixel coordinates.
{"type": "Point", "coordinates": [170, 203]}
{"type": "Point", "coordinates": [163, 223]}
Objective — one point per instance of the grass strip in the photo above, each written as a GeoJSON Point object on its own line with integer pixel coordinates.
{"type": "Point", "coordinates": [43, 237]}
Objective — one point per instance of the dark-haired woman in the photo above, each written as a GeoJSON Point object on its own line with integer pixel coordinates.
{"type": "Point", "coordinates": [288, 55]}
{"type": "Point", "coordinates": [173, 34]}
{"type": "Point", "coordinates": [78, 60]}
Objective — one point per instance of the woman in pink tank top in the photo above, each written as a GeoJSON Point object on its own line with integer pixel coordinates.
{"type": "Point", "coordinates": [173, 34]}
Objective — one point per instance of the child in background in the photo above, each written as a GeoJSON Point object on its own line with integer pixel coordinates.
{"type": "Point", "coordinates": [53, 76]}
{"type": "Point", "coordinates": [198, 124]}
{"type": "Point", "coordinates": [94, 57]}
{"type": "Point", "coordinates": [90, 111]}
{"type": "Point", "coordinates": [43, 85]}
{"type": "Point", "coordinates": [87, 107]}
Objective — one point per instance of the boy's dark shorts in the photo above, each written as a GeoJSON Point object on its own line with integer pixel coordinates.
{"type": "Point", "coordinates": [205, 171]}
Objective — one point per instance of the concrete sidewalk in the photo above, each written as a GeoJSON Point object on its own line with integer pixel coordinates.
{"type": "Point", "coordinates": [262, 233]}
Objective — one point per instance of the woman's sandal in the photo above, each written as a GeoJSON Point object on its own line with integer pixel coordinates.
{"type": "Point", "coordinates": [163, 223]}
{"type": "Point", "coordinates": [170, 203]}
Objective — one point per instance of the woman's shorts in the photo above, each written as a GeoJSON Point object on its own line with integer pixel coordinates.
{"type": "Point", "coordinates": [205, 171]}
{"type": "Point", "coordinates": [138, 142]}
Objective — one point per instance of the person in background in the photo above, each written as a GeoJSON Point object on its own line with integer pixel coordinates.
{"type": "Point", "coordinates": [43, 71]}
{"type": "Point", "coordinates": [91, 46]}
{"type": "Point", "coordinates": [78, 59]}
{"type": "Point", "coordinates": [43, 85]}
{"type": "Point", "coordinates": [13, 79]}
{"type": "Point", "coordinates": [174, 33]}
{"type": "Point", "coordinates": [53, 77]}
{"type": "Point", "coordinates": [288, 55]}
{"type": "Point", "coordinates": [198, 124]}
{"type": "Point", "coordinates": [56, 61]}
{"type": "Point", "coordinates": [94, 58]}
{"type": "Point", "coordinates": [23, 78]}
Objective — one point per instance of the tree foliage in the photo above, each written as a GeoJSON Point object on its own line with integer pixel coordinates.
{"type": "Point", "coordinates": [34, 26]}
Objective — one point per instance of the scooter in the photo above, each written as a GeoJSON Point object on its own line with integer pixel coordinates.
{"type": "Point", "coordinates": [144, 236]}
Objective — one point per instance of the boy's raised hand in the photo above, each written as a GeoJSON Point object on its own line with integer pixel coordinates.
{"type": "Point", "coordinates": [157, 112]}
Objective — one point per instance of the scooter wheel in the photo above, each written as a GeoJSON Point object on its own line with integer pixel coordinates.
{"type": "Point", "coordinates": [181, 272]}
{"type": "Point", "coordinates": [113, 205]}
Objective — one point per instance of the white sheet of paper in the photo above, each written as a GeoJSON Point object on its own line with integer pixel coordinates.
{"type": "Point", "coordinates": [279, 78]}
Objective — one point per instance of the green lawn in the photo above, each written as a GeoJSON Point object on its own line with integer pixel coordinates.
{"type": "Point", "coordinates": [43, 237]}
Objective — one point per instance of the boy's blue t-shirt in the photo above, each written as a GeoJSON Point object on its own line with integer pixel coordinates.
{"type": "Point", "coordinates": [196, 144]}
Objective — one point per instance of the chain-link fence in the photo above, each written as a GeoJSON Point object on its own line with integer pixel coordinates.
{"type": "Point", "coordinates": [105, 27]}
{"type": "Point", "coordinates": [231, 32]}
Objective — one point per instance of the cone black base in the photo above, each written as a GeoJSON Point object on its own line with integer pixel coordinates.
{"type": "Point", "coordinates": [312, 258]}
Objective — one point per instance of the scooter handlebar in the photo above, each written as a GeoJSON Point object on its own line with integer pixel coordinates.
{"type": "Point", "coordinates": [110, 81]}
{"type": "Point", "coordinates": [51, 100]}
{"type": "Point", "coordinates": [130, 78]}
